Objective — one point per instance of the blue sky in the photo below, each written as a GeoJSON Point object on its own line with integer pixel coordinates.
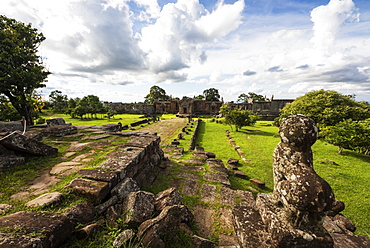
{"type": "Point", "coordinates": [118, 49]}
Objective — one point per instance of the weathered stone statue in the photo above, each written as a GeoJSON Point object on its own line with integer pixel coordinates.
{"type": "Point", "coordinates": [294, 212]}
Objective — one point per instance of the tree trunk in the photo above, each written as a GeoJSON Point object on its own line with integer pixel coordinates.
{"type": "Point", "coordinates": [26, 112]}
{"type": "Point", "coordinates": [340, 149]}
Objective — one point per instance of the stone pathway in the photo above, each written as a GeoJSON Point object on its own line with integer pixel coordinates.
{"type": "Point", "coordinates": [165, 128]}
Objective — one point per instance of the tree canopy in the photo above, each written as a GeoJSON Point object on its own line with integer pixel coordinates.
{"type": "Point", "coordinates": [326, 107]}
{"type": "Point", "coordinates": [21, 69]}
{"type": "Point", "coordinates": [58, 101]}
{"type": "Point", "coordinates": [211, 94]}
{"type": "Point", "coordinates": [156, 93]}
{"type": "Point", "coordinates": [238, 118]}
{"type": "Point", "coordinates": [256, 98]}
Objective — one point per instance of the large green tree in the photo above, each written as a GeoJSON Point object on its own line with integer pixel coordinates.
{"type": "Point", "coordinates": [21, 69]}
{"type": "Point", "coordinates": [211, 94]}
{"type": "Point", "coordinates": [251, 95]}
{"type": "Point", "coordinates": [326, 107]}
{"type": "Point", "coordinates": [58, 101]}
{"type": "Point", "coordinates": [156, 93]}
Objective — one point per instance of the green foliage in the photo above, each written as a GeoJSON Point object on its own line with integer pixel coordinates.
{"type": "Point", "coordinates": [211, 94]}
{"type": "Point", "coordinates": [241, 118]}
{"type": "Point", "coordinates": [327, 108]}
{"type": "Point", "coordinates": [21, 69]}
{"type": "Point", "coordinates": [225, 109]}
{"type": "Point", "coordinates": [58, 101]}
{"type": "Point", "coordinates": [156, 93]}
{"type": "Point", "coordinates": [88, 105]}
{"type": "Point", "coordinates": [256, 98]}
{"type": "Point", "coordinates": [349, 134]}
{"type": "Point", "coordinates": [8, 112]}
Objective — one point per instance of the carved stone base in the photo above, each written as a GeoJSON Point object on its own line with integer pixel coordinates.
{"type": "Point", "coordinates": [283, 233]}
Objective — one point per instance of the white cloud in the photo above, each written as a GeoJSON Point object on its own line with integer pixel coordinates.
{"type": "Point", "coordinates": [327, 21]}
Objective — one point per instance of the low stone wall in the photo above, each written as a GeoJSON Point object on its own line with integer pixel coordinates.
{"type": "Point", "coordinates": [195, 133]}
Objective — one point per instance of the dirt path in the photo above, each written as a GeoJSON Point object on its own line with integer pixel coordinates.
{"type": "Point", "coordinates": [166, 128]}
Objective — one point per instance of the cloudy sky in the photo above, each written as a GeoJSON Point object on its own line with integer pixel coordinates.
{"type": "Point", "coordinates": [118, 49]}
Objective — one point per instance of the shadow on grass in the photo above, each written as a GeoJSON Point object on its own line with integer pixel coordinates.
{"type": "Point", "coordinates": [200, 134]}
{"type": "Point", "coordinates": [256, 132]}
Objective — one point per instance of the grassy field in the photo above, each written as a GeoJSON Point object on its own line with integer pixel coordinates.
{"type": "Point", "coordinates": [349, 176]}
{"type": "Point", "coordinates": [125, 119]}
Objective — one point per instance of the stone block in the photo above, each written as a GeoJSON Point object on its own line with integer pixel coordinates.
{"type": "Point", "coordinates": [45, 199]}
{"type": "Point", "coordinates": [168, 197]}
{"type": "Point", "coordinates": [11, 161]}
{"type": "Point", "coordinates": [240, 174]}
{"type": "Point", "coordinates": [208, 192]}
{"type": "Point", "coordinates": [138, 207]}
{"type": "Point", "coordinates": [59, 130]}
{"type": "Point", "coordinates": [55, 122]}
{"type": "Point", "coordinates": [215, 162]}
{"type": "Point", "coordinates": [202, 242]}
{"type": "Point", "coordinates": [257, 183]}
{"type": "Point", "coordinates": [100, 175]}
{"type": "Point", "coordinates": [219, 177]}
{"type": "Point", "coordinates": [112, 127]}
{"type": "Point", "coordinates": [95, 190]}
{"type": "Point", "coordinates": [21, 143]}
{"type": "Point", "coordinates": [123, 188]}
{"type": "Point", "coordinates": [190, 187]}
{"type": "Point", "coordinates": [81, 213]}
{"type": "Point", "coordinates": [249, 228]}
{"type": "Point", "coordinates": [50, 229]}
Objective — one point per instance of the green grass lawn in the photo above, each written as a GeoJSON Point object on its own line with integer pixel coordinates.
{"type": "Point", "coordinates": [125, 119]}
{"type": "Point", "coordinates": [349, 176]}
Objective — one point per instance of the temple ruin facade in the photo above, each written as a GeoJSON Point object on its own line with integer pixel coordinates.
{"type": "Point", "coordinates": [268, 109]}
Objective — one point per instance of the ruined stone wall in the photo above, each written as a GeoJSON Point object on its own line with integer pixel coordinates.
{"type": "Point", "coordinates": [131, 108]}
{"type": "Point", "coordinates": [124, 171]}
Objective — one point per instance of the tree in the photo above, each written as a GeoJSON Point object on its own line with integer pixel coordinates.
{"type": "Point", "coordinates": [21, 69]}
{"type": "Point", "coordinates": [346, 134]}
{"type": "Point", "coordinates": [256, 98]}
{"type": "Point", "coordinates": [91, 104]}
{"type": "Point", "coordinates": [211, 94]}
{"type": "Point", "coordinates": [241, 118]}
{"type": "Point", "coordinates": [200, 97]}
{"type": "Point", "coordinates": [8, 112]}
{"type": "Point", "coordinates": [58, 101]}
{"type": "Point", "coordinates": [327, 108]}
{"type": "Point", "coordinates": [156, 93]}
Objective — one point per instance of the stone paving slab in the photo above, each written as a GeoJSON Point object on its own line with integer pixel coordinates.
{"type": "Point", "coordinates": [203, 217]}
{"type": "Point", "coordinates": [190, 187]}
{"type": "Point", "coordinates": [75, 146]}
{"type": "Point", "coordinates": [193, 161]}
{"type": "Point", "coordinates": [45, 199]}
{"type": "Point", "coordinates": [188, 175]}
{"type": "Point", "coordinates": [98, 137]}
{"type": "Point", "coordinates": [193, 168]}
{"type": "Point", "coordinates": [227, 196]}
{"type": "Point", "coordinates": [208, 193]}
{"type": "Point", "coordinates": [219, 177]}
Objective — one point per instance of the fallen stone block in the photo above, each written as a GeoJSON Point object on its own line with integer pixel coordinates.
{"type": "Point", "coordinates": [59, 130]}
{"type": "Point", "coordinates": [166, 223]}
{"type": "Point", "coordinates": [193, 161]}
{"type": "Point", "coordinates": [11, 161]}
{"type": "Point", "coordinates": [10, 126]}
{"type": "Point", "coordinates": [95, 190]}
{"type": "Point", "coordinates": [240, 174]}
{"type": "Point", "coordinates": [123, 188]}
{"type": "Point", "coordinates": [233, 161]}
{"type": "Point", "coordinates": [81, 213]}
{"type": "Point", "coordinates": [138, 207]}
{"type": "Point", "coordinates": [215, 162]}
{"type": "Point", "coordinates": [18, 142]}
{"type": "Point", "coordinates": [112, 127]}
{"type": "Point", "coordinates": [56, 122]}
{"type": "Point", "coordinates": [39, 229]}
{"type": "Point", "coordinates": [168, 197]}
{"type": "Point", "coordinates": [257, 183]}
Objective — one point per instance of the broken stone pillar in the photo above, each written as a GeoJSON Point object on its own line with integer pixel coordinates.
{"type": "Point", "coordinates": [294, 212]}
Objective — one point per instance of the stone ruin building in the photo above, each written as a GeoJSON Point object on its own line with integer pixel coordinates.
{"type": "Point", "coordinates": [268, 109]}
